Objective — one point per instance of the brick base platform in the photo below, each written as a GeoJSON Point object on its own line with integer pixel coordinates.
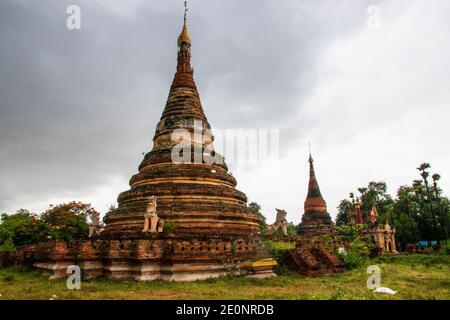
{"type": "Point", "coordinates": [141, 259]}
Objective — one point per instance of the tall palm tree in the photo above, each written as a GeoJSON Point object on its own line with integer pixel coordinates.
{"type": "Point", "coordinates": [423, 225]}
{"type": "Point", "coordinates": [363, 191]}
{"type": "Point", "coordinates": [422, 169]}
{"type": "Point", "coordinates": [407, 193]}
{"type": "Point", "coordinates": [436, 178]}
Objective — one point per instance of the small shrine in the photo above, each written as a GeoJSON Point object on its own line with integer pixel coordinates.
{"type": "Point", "coordinates": [383, 234]}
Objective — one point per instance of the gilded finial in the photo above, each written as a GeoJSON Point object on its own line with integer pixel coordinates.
{"type": "Point", "coordinates": [184, 36]}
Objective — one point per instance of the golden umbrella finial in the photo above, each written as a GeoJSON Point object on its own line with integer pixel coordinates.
{"type": "Point", "coordinates": [184, 36]}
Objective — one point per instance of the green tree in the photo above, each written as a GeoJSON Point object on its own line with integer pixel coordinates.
{"type": "Point", "coordinates": [69, 221]}
{"type": "Point", "coordinates": [345, 209]}
{"type": "Point", "coordinates": [21, 228]}
{"type": "Point", "coordinates": [376, 194]}
{"type": "Point", "coordinates": [424, 174]}
{"type": "Point", "coordinates": [443, 220]}
{"type": "Point", "coordinates": [407, 220]}
{"type": "Point", "coordinates": [420, 208]}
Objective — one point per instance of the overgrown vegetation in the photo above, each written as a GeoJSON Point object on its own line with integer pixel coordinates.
{"type": "Point", "coordinates": [357, 253]}
{"type": "Point", "coordinates": [360, 247]}
{"type": "Point", "coordinates": [169, 226]}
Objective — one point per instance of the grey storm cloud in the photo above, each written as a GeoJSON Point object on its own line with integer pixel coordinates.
{"type": "Point", "coordinates": [78, 107]}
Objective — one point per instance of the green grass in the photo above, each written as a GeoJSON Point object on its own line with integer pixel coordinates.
{"type": "Point", "coordinates": [414, 277]}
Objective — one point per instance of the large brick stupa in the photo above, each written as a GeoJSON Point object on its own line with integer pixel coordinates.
{"type": "Point", "coordinates": [182, 219]}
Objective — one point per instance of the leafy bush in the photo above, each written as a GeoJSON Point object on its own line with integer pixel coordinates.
{"type": "Point", "coordinates": [360, 247]}
{"type": "Point", "coordinates": [357, 252]}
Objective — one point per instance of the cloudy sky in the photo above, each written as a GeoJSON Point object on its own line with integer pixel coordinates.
{"type": "Point", "coordinates": [367, 82]}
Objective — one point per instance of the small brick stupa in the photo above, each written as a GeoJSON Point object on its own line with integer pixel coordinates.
{"type": "Point", "coordinates": [314, 252]}
{"type": "Point", "coordinates": [316, 220]}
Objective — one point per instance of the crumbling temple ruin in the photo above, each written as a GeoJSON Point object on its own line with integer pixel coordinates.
{"type": "Point", "coordinates": [212, 231]}
{"type": "Point", "coordinates": [314, 252]}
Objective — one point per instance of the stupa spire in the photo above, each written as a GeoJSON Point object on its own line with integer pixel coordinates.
{"type": "Point", "coordinates": [313, 186]}
{"type": "Point", "coordinates": [184, 76]}
{"type": "Point", "coordinates": [184, 99]}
